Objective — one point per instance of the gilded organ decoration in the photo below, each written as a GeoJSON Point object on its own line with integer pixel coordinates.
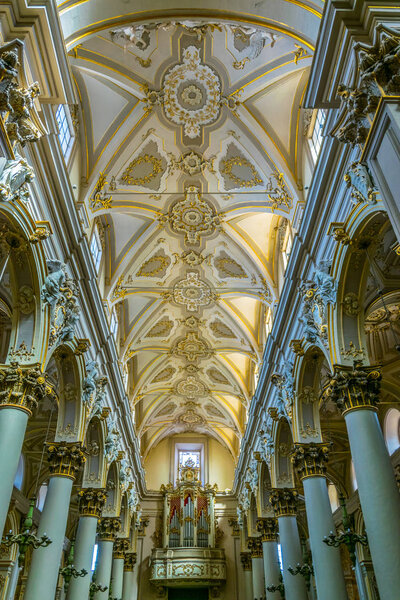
{"type": "Point", "coordinates": [193, 217]}
{"type": "Point", "coordinates": [191, 93]}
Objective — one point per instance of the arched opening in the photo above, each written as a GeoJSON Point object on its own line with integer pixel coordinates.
{"type": "Point", "coordinates": [392, 430]}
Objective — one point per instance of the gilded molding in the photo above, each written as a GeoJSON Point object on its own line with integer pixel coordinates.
{"type": "Point", "coordinates": [107, 529]}
{"type": "Point", "coordinates": [284, 502]}
{"type": "Point", "coordinates": [356, 387]}
{"type": "Point", "coordinates": [91, 502]}
{"type": "Point", "coordinates": [268, 527]}
{"type": "Point", "coordinates": [65, 459]}
{"type": "Point", "coordinates": [310, 460]}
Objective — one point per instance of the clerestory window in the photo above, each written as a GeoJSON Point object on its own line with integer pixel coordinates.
{"type": "Point", "coordinates": [65, 135]}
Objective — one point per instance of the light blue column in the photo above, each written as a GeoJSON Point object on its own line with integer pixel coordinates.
{"type": "Point", "coordinates": [84, 547]}
{"type": "Point", "coordinates": [257, 565]}
{"type": "Point", "coordinates": [13, 422]}
{"type": "Point", "coordinates": [43, 573]}
{"type": "Point", "coordinates": [272, 568]}
{"type": "Point", "coordinates": [328, 570]}
{"type": "Point", "coordinates": [379, 497]}
{"type": "Point", "coordinates": [295, 587]}
{"type": "Point", "coordinates": [117, 577]}
{"type": "Point", "coordinates": [104, 565]}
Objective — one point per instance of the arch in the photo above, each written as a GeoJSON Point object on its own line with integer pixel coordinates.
{"type": "Point", "coordinates": [95, 470]}
{"type": "Point", "coordinates": [282, 469]}
{"type": "Point", "coordinates": [66, 374]}
{"type": "Point", "coordinates": [23, 269]}
{"type": "Point", "coordinates": [265, 487]}
{"type": "Point", "coordinates": [113, 502]}
{"type": "Point", "coordinates": [392, 430]}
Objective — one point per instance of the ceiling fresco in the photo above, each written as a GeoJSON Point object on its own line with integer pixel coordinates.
{"type": "Point", "coordinates": [192, 172]}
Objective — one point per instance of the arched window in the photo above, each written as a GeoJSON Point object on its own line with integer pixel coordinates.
{"type": "Point", "coordinates": [19, 477]}
{"type": "Point", "coordinates": [41, 496]}
{"type": "Point", "coordinates": [333, 496]}
{"type": "Point", "coordinates": [392, 430]}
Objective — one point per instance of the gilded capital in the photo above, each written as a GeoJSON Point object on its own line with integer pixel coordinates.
{"type": "Point", "coordinates": [254, 544]}
{"type": "Point", "coordinates": [268, 527]}
{"type": "Point", "coordinates": [245, 559]}
{"type": "Point", "coordinates": [355, 387]}
{"type": "Point", "coordinates": [129, 561]}
{"type": "Point", "coordinates": [121, 546]}
{"type": "Point", "coordinates": [21, 387]}
{"type": "Point", "coordinates": [108, 528]}
{"type": "Point", "coordinates": [284, 501]}
{"type": "Point", "coordinates": [65, 459]}
{"type": "Point", "coordinates": [91, 502]}
{"type": "Point", "coordinates": [310, 460]}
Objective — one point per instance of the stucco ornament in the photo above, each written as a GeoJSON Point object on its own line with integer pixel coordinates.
{"type": "Point", "coordinates": [193, 293]}
{"type": "Point", "coordinates": [124, 475]}
{"type": "Point", "coordinates": [112, 443]}
{"type": "Point", "coordinates": [252, 476]}
{"type": "Point", "coordinates": [192, 93]}
{"type": "Point", "coordinates": [192, 216]}
{"type": "Point", "coordinates": [359, 180]}
{"type": "Point", "coordinates": [192, 348]}
{"type": "Point", "coordinates": [284, 382]}
{"type": "Point", "coordinates": [89, 383]}
{"type": "Point", "coordinates": [14, 174]}
{"type": "Point", "coordinates": [316, 296]}
{"type": "Point", "coordinates": [133, 498]}
{"type": "Point", "coordinates": [191, 387]}
{"type": "Point", "coordinates": [51, 289]}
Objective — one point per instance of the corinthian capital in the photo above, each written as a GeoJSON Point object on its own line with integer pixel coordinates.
{"type": "Point", "coordinates": [121, 546]}
{"type": "Point", "coordinates": [310, 460]}
{"type": "Point", "coordinates": [65, 459]}
{"type": "Point", "coordinates": [91, 502]}
{"type": "Point", "coordinates": [108, 528]}
{"type": "Point", "coordinates": [245, 559]}
{"type": "Point", "coordinates": [129, 561]}
{"type": "Point", "coordinates": [268, 527]}
{"type": "Point", "coordinates": [254, 544]}
{"type": "Point", "coordinates": [21, 387]}
{"type": "Point", "coordinates": [355, 387]}
{"type": "Point", "coordinates": [284, 502]}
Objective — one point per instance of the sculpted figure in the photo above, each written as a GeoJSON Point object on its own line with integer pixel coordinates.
{"type": "Point", "coordinates": [53, 283]}
{"type": "Point", "coordinates": [89, 383]}
{"type": "Point", "coordinates": [13, 175]}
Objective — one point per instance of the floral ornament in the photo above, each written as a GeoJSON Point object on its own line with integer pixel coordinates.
{"type": "Point", "coordinates": [193, 293]}
{"type": "Point", "coordinates": [192, 93]}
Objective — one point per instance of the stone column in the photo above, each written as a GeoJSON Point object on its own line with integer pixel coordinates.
{"type": "Point", "coordinates": [129, 574]}
{"type": "Point", "coordinates": [107, 531]}
{"type": "Point", "coordinates": [310, 462]}
{"type": "Point", "coordinates": [268, 527]}
{"type": "Point", "coordinates": [121, 545]}
{"type": "Point", "coordinates": [91, 503]}
{"type": "Point", "coordinates": [245, 558]}
{"type": "Point", "coordinates": [356, 392]}
{"type": "Point", "coordinates": [284, 503]}
{"type": "Point", "coordinates": [254, 544]}
{"type": "Point", "coordinates": [65, 460]}
{"type": "Point", "coordinates": [20, 390]}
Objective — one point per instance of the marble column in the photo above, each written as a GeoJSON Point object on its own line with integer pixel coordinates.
{"type": "Point", "coordinates": [284, 503]}
{"type": "Point", "coordinates": [245, 559]}
{"type": "Point", "coordinates": [121, 546]}
{"type": "Point", "coordinates": [268, 528]}
{"type": "Point", "coordinates": [310, 462]}
{"type": "Point", "coordinates": [65, 460]}
{"type": "Point", "coordinates": [91, 503]}
{"type": "Point", "coordinates": [20, 390]}
{"type": "Point", "coordinates": [128, 588]}
{"type": "Point", "coordinates": [107, 530]}
{"type": "Point", "coordinates": [254, 544]}
{"type": "Point", "coordinates": [356, 392]}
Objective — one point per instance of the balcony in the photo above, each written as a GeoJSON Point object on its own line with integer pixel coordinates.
{"type": "Point", "coordinates": [189, 567]}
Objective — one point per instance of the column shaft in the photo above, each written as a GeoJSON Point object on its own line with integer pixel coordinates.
{"type": "Point", "coordinates": [127, 590]}
{"type": "Point", "coordinates": [258, 577]}
{"type": "Point", "coordinates": [328, 570]}
{"type": "Point", "coordinates": [117, 577]}
{"type": "Point", "coordinates": [103, 569]}
{"type": "Point", "coordinates": [248, 584]}
{"type": "Point", "coordinates": [13, 423]}
{"type": "Point", "coordinates": [295, 587]}
{"type": "Point", "coordinates": [272, 568]}
{"type": "Point", "coordinates": [43, 573]}
{"type": "Point", "coordinates": [379, 497]}
{"type": "Point", "coordinates": [84, 547]}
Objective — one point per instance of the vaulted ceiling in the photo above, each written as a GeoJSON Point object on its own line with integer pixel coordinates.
{"type": "Point", "coordinates": [191, 145]}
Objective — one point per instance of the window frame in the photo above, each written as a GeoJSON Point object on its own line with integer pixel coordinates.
{"type": "Point", "coordinates": [189, 447]}
{"type": "Point", "coordinates": [99, 255]}
{"type": "Point", "coordinates": [315, 140]}
{"type": "Point", "coordinates": [114, 324]}
{"type": "Point", "coordinates": [65, 134]}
